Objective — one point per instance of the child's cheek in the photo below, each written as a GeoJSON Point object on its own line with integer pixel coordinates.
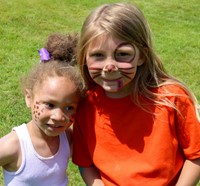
{"type": "Point", "coordinates": [72, 118]}
{"type": "Point", "coordinates": [37, 110]}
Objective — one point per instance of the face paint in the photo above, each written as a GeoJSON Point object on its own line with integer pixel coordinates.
{"type": "Point", "coordinates": [113, 64]}
{"type": "Point", "coordinates": [120, 84]}
{"type": "Point", "coordinates": [72, 118]}
{"type": "Point", "coordinates": [37, 110]}
{"type": "Point", "coordinates": [125, 52]}
{"type": "Point", "coordinates": [95, 72]}
{"type": "Point", "coordinates": [127, 72]}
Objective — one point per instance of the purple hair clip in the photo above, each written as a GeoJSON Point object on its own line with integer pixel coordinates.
{"type": "Point", "coordinates": [44, 54]}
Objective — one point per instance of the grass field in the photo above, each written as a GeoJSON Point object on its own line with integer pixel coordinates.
{"type": "Point", "coordinates": [25, 26]}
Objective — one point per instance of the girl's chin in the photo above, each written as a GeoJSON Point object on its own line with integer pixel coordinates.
{"type": "Point", "coordinates": [54, 131]}
{"type": "Point", "coordinates": [112, 89]}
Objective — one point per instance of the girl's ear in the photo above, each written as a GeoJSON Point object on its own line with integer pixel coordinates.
{"type": "Point", "coordinates": [28, 98]}
{"type": "Point", "coordinates": [140, 61]}
{"type": "Point", "coordinates": [142, 58]}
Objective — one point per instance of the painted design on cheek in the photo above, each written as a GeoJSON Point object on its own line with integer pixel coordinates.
{"type": "Point", "coordinates": [92, 68]}
{"type": "Point", "coordinates": [95, 72]}
{"type": "Point", "coordinates": [120, 84]}
{"type": "Point", "coordinates": [127, 59]}
{"type": "Point", "coordinates": [72, 118]}
{"type": "Point", "coordinates": [124, 72]}
{"type": "Point", "coordinates": [127, 68]}
{"type": "Point", "coordinates": [37, 111]}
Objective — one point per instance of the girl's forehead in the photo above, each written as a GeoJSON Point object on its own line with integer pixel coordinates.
{"type": "Point", "coordinates": [56, 87]}
{"type": "Point", "coordinates": [103, 39]}
{"type": "Point", "coordinates": [52, 81]}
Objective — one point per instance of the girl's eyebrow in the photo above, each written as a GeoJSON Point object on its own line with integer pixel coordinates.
{"type": "Point", "coordinates": [94, 51]}
{"type": "Point", "coordinates": [125, 44]}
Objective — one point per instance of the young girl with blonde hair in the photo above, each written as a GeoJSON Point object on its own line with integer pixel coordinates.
{"type": "Point", "coordinates": [138, 125]}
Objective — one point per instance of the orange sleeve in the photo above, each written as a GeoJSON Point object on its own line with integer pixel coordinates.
{"type": "Point", "coordinates": [188, 128]}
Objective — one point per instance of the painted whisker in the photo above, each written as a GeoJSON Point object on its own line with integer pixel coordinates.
{"type": "Point", "coordinates": [95, 73]}
{"type": "Point", "coordinates": [94, 68]}
{"type": "Point", "coordinates": [126, 68]}
{"type": "Point", "coordinates": [96, 76]}
{"type": "Point", "coordinates": [126, 75]}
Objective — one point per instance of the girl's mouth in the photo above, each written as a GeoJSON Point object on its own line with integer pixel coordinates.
{"type": "Point", "coordinates": [111, 80]}
{"type": "Point", "coordinates": [53, 126]}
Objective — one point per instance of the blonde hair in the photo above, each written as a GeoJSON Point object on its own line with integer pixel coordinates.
{"type": "Point", "coordinates": [126, 22]}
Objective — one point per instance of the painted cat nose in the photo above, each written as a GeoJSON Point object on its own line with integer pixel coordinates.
{"type": "Point", "coordinates": [110, 68]}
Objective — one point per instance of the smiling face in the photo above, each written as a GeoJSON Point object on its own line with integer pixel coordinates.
{"type": "Point", "coordinates": [112, 64]}
{"type": "Point", "coordinates": [53, 105]}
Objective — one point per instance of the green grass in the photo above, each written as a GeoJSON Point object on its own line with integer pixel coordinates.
{"type": "Point", "coordinates": [25, 26]}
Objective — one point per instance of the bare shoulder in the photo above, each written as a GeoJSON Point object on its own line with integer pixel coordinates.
{"type": "Point", "coordinates": [10, 149]}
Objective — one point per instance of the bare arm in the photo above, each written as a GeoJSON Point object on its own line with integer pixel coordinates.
{"type": "Point", "coordinates": [10, 152]}
{"type": "Point", "coordinates": [91, 176]}
{"type": "Point", "coordinates": [190, 174]}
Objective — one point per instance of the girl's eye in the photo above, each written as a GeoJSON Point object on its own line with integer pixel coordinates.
{"type": "Point", "coordinates": [97, 56]}
{"type": "Point", "coordinates": [49, 105]}
{"type": "Point", "coordinates": [124, 56]}
{"type": "Point", "coordinates": [125, 53]}
{"type": "Point", "coordinates": [69, 108]}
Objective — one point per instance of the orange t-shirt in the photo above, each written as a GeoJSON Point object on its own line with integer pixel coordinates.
{"type": "Point", "coordinates": [130, 146]}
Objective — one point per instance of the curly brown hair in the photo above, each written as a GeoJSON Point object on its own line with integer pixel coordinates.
{"type": "Point", "coordinates": [62, 47]}
{"type": "Point", "coordinates": [62, 63]}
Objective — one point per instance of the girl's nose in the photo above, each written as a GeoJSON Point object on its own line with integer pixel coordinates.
{"type": "Point", "coordinates": [59, 116]}
{"type": "Point", "coordinates": [110, 68]}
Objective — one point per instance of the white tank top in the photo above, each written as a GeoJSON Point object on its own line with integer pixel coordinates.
{"type": "Point", "coordinates": [36, 170]}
